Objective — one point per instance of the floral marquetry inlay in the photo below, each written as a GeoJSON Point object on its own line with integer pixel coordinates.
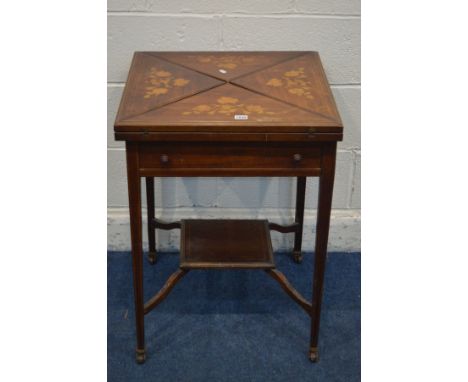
{"type": "Point", "coordinates": [178, 91]}
{"type": "Point", "coordinates": [229, 106]}
{"type": "Point", "coordinates": [226, 62]}
{"type": "Point", "coordinates": [161, 81]}
{"type": "Point", "coordinates": [295, 81]}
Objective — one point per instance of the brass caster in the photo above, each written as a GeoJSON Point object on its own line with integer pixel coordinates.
{"type": "Point", "coordinates": [152, 258]}
{"type": "Point", "coordinates": [313, 355]}
{"type": "Point", "coordinates": [140, 356]}
{"type": "Point", "coordinates": [297, 257]}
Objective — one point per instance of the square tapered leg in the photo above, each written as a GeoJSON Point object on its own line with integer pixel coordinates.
{"type": "Point", "coordinates": [152, 256]}
{"type": "Point", "coordinates": [134, 196]}
{"type": "Point", "coordinates": [321, 242]}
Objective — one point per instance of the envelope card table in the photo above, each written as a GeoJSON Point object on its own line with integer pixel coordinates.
{"type": "Point", "coordinates": [243, 114]}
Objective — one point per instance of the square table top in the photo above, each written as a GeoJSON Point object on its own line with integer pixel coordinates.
{"type": "Point", "coordinates": [227, 92]}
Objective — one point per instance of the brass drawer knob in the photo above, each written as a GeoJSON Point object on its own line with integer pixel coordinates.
{"type": "Point", "coordinates": [297, 158]}
{"type": "Point", "coordinates": [164, 159]}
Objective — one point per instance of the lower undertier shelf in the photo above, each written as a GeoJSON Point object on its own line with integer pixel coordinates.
{"type": "Point", "coordinates": [243, 244]}
{"type": "Point", "coordinates": [226, 244]}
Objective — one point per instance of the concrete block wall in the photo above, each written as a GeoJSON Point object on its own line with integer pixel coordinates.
{"type": "Point", "coordinates": [331, 27]}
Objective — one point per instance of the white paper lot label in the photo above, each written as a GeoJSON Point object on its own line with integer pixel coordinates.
{"type": "Point", "coordinates": [241, 116]}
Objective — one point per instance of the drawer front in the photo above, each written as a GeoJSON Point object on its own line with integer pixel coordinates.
{"type": "Point", "coordinates": [236, 159]}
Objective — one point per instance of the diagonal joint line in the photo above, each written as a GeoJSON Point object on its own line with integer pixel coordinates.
{"type": "Point", "coordinates": [185, 66]}
{"type": "Point", "coordinates": [270, 66]}
{"type": "Point", "coordinates": [170, 102]}
{"type": "Point", "coordinates": [285, 102]}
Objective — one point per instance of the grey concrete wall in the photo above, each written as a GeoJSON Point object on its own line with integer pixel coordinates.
{"type": "Point", "coordinates": [331, 27]}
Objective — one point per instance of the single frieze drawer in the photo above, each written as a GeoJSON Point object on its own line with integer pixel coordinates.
{"type": "Point", "coordinates": [230, 158]}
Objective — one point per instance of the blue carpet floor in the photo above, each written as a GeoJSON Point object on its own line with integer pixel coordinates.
{"type": "Point", "coordinates": [235, 325]}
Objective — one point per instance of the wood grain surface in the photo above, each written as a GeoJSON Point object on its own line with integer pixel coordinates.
{"type": "Point", "coordinates": [227, 92]}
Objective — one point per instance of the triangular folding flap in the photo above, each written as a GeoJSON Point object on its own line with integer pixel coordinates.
{"type": "Point", "coordinates": [226, 65]}
{"type": "Point", "coordinates": [300, 81]}
{"type": "Point", "coordinates": [153, 83]}
{"type": "Point", "coordinates": [228, 105]}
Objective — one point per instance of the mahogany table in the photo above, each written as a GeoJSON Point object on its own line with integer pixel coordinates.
{"type": "Point", "coordinates": [228, 114]}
